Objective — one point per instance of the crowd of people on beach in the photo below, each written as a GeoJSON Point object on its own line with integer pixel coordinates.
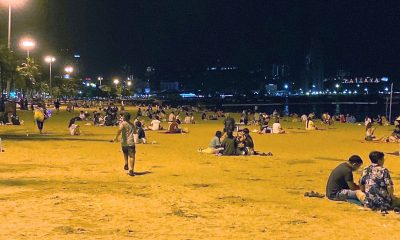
{"type": "Point", "coordinates": [374, 190]}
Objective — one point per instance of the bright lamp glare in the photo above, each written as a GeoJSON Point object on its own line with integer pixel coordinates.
{"type": "Point", "coordinates": [27, 43]}
{"type": "Point", "coordinates": [69, 69]}
{"type": "Point", "coordinates": [13, 3]}
{"type": "Point", "coordinates": [49, 59]}
{"type": "Point", "coordinates": [116, 81]}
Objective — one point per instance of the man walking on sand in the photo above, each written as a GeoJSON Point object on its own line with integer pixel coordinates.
{"type": "Point", "coordinates": [128, 129]}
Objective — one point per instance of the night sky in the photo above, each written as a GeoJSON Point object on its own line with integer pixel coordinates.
{"type": "Point", "coordinates": [360, 36]}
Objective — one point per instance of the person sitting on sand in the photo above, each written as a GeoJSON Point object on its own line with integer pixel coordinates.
{"type": "Point", "coordinates": [141, 135]}
{"type": "Point", "coordinates": [369, 132]}
{"type": "Point", "coordinates": [174, 128]}
{"type": "Point", "coordinates": [229, 144]}
{"type": "Point", "coordinates": [396, 133]}
{"type": "Point", "coordinates": [377, 184]}
{"type": "Point", "coordinates": [310, 125]}
{"type": "Point", "coordinates": [277, 128]}
{"type": "Point", "coordinates": [264, 128]}
{"type": "Point", "coordinates": [155, 124]}
{"type": "Point", "coordinates": [246, 143]}
{"type": "Point", "coordinates": [215, 144]}
{"type": "Point", "coordinates": [341, 186]}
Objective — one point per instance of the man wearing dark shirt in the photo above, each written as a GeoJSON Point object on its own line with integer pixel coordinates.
{"type": "Point", "coordinates": [229, 124]}
{"type": "Point", "coordinates": [341, 186]}
{"type": "Point", "coordinates": [230, 145]}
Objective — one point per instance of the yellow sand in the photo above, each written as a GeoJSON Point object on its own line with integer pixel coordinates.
{"type": "Point", "coordinates": [73, 187]}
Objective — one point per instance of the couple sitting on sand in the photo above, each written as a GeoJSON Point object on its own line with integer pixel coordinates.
{"type": "Point", "coordinates": [375, 189]}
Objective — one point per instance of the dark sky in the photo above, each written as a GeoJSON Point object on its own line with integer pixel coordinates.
{"type": "Point", "coordinates": [360, 36]}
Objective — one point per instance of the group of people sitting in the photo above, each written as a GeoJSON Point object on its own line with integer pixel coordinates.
{"type": "Point", "coordinates": [228, 144]}
{"type": "Point", "coordinates": [13, 119]}
{"type": "Point", "coordinates": [374, 189]}
{"type": "Point", "coordinates": [394, 137]}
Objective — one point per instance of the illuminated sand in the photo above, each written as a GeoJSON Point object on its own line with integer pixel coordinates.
{"type": "Point", "coordinates": [55, 187]}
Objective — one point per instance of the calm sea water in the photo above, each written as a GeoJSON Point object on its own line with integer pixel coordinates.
{"type": "Point", "coordinates": [358, 110]}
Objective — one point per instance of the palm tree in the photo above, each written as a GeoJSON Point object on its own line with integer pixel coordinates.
{"type": "Point", "coordinates": [30, 73]}
{"type": "Point", "coordinates": [8, 67]}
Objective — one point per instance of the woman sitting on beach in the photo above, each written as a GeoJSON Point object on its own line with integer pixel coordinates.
{"type": "Point", "coordinates": [215, 144]}
{"type": "Point", "coordinates": [310, 125]}
{"type": "Point", "coordinates": [369, 132]}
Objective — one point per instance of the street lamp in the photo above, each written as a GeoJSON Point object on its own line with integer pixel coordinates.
{"type": "Point", "coordinates": [69, 69]}
{"type": "Point", "coordinates": [10, 4]}
{"type": "Point", "coordinates": [129, 83]}
{"type": "Point", "coordinates": [100, 79]}
{"type": "Point", "coordinates": [27, 44]}
{"type": "Point", "coordinates": [116, 82]}
{"type": "Point", "coordinates": [50, 60]}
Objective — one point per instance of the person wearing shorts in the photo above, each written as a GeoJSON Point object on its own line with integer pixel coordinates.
{"type": "Point", "coordinates": [341, 186]}
{"type": "Point", "coordinates": [127, 130]}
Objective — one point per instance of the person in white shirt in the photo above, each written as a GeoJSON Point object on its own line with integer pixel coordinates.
{"type": "Point", "coordinates": [277, 128]}
{"type": "Point", "coordinates": [155, 125]}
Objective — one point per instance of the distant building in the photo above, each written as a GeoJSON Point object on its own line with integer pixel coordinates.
{"type": "Point", "coordinates": [314, 67]}
{"type": "Point", "coordinates": [169, 86]}
{"type": "Point", "coordinates": [280, 75]}
{"type": "Point", "coordinates": [271, 89]}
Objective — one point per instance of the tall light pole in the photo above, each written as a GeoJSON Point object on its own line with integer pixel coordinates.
{"type": "Point", "coordinates": [100, 79]}
{"type": "Point", "coordinates": [10, 4]}
{"type": "Point", "coordinates": [27, 44]}
{"type": "Point", "coordinates": [9, 25]}
{"type": "Point", "coordinates": [50, 60]}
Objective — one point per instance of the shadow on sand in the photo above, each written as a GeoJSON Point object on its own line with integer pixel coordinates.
{"type": "Point", "coordinates": [37, 137]}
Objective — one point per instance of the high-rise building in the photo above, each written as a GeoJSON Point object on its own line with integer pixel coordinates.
{"type": "Point", "coordinates": [280, 75]}
{"type": "Point", "coordinates": [314, 69]}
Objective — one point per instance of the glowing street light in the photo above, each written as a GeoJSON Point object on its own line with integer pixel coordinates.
{"type": "Point", "coordinates": [69, 69]}
{"type": "Point", "coordinates": [129, 83]}
{"type": "Point", "coordinates": [100, 79]}
{"type": "Point", "coordinates": [116, 82]}
{"type": "Point", "coordinates": [28, 44]}
{"type": "Point", "coordinates": [337, 85]}
{"type": "Point", "coordinates": [50, 60]}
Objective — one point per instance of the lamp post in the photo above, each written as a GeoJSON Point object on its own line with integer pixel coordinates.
{"type": "Point", "coordinates": [27, 44]}
{"type": "Point", "coordinates": [10, 4]}
{"type": "Point", "coordinates": [9, 25]}
{"type": "Point", "coordinates": [50, 60]}
{"type": "Point", "coordinates": [116, 82]}
{"type": "Point", "coordinates": [100, 79]}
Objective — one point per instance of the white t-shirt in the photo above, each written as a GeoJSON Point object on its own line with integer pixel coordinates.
{"type": "Point", "coordinates": [276, 128]}
{"type": "Point", "coordinates": [155, 125]}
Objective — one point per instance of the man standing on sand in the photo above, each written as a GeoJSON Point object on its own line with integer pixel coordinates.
{"type": "Point", "coordinates": [229, 124]}
{"type": "Point", "coordinates": [341, 186]}
{"type": "Point", "coordinates": [128, 129]}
